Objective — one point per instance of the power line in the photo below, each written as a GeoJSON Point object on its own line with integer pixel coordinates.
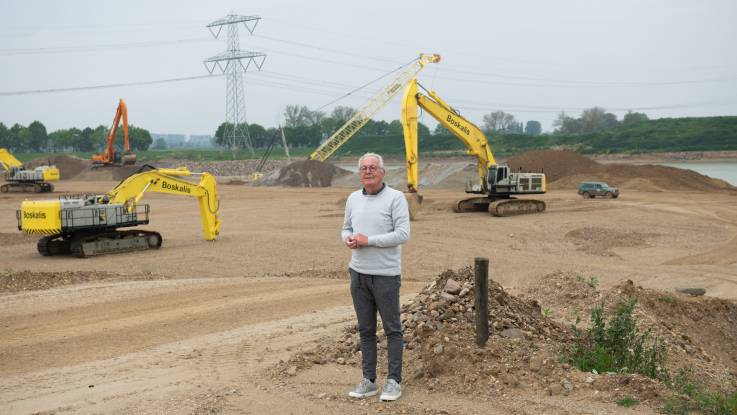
{"type": "Point", "coordinates": [549, 82]}
{"type": "Point", "coordinates": [84, 88]}
{"type": "Point", "coordinates": [365, 85]}
{"type": "Point", "coordinates": [100, 47]}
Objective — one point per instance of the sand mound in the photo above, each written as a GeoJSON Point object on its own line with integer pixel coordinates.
{"type": "Point", "coordinates": [306, 173]}
{"type": "Point", "coordinates": [75, 168]}
{"type": "Point", "coordinates": [566, 169]}
{"type": "Point", "coordinates": [69, 166]}
{"type": "Point", "coordinates": [554, 163]}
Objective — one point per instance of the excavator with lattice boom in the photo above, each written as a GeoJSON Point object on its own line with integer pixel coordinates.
{"type": "Point", "coordinates": [377, 102]}
{"type": "Point", "coordinates": [21, 179]}
{"type": "Point", "coordinates": [90, 225]}
{"type": "Point", "coordinates": [497, 183]}
{"type": "Point", "coordinates": [110, 157]}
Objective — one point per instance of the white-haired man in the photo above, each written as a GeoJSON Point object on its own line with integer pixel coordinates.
{"type": "Point", "coordinates": [375, 226]}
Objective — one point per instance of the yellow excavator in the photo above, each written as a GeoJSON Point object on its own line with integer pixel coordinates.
{"type": "Point", "coordinates": [20, 179]}
{"type": "Point", "coordinates": [496, 182]}
{"type": "Point", "coordinates": [90, 225]}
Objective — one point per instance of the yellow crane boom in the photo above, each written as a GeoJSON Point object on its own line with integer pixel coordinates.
{"type": "Point", "coordinates": [376, 103]}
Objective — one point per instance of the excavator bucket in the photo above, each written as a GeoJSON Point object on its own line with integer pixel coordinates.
{"type": "Point", "coordinates": [414, 203]}
{"type": "Point", "coordinates": [129, 159]}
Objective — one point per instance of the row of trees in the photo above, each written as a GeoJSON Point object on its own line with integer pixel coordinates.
{"type": "Point", "coordinates": [303, 127]}
{"type": "Point", "coordinates": [502, 122]}
{"type": "Point", "coordinates": [308, 128]}
{"type": "Point", "coordinates": [34, 138]}
{"type": "Point", "coordinates": [594, 119]}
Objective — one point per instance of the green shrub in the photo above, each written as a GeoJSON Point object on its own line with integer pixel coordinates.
{"type": "Point", "coordinates": [696, 397]}
{"type": "Point", "coordinates": [618, 346]}
{"type": "Point", "coordinates": [627, 402]}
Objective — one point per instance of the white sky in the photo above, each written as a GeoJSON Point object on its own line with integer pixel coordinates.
{"type": "Point", "coordinates": [667, 58]}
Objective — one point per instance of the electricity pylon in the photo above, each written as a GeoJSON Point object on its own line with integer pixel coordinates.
{"type": "Point", "coordinates": [233, 63]}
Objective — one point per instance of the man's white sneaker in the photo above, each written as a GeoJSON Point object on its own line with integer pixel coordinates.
{"type": "Point", "coordinates": [391, 391]}
{"type": "Point", "coordinates": [364, 389]}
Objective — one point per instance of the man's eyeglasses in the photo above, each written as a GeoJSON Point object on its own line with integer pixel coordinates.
{"type": "Point", "coordinates": [366, 169]}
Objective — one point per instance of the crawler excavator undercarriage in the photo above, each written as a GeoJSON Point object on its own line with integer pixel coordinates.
{"type": "Point", "coordinates": [90, 225]}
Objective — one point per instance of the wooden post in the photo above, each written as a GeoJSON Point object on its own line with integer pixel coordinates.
{"type": "Point", "coordinates": [481, 302]}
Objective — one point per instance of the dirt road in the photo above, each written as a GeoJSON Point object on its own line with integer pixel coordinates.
{"type": "Point", "coordinates": [196, 326]}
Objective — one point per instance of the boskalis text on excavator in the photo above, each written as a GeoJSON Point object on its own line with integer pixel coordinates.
{"type": "Point", "coordinates": [90, 224]}
{"type": "Point", "coordinates": [110, 157]}
{"type": "Point", "coordinates": [21, 179]}
{"type": "Point", "coordinates": [496, 182]}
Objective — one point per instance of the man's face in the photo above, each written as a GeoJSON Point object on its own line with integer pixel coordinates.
{"type": "Point", "coordinates": [371, 175]}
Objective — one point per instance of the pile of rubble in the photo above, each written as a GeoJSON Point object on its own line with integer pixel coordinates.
{"type": "Point", "coordinates": [440, 342]}
{"type": "Point", "coordinates": [305, 173]}
{"type": "Point", "coordinates": [527, 345]}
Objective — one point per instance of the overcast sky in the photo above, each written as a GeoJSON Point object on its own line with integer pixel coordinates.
{"type": "Point", "coordinates": [533, 59]}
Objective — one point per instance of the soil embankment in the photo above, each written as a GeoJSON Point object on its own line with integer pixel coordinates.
{"type": "Point", "coordinates": [564, 170]}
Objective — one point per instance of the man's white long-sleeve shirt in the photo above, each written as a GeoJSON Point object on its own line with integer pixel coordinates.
{"type": "Point", "coordinates": [384, 218]}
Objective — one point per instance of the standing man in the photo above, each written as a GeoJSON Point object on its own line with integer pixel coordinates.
{"type": "Point", "coordinates": [376, 224]}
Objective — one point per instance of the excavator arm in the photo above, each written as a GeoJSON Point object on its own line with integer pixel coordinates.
{"type": "Point", "coordinates": [496, 183]}
{"type": "Point", "coordinates": [476, 143]}
{"type": "Point", "coordinates": [130, 191]}
{"type": "Point", "coordinates": [8, 161]}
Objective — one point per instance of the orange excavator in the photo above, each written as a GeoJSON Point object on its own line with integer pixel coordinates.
{"type": "Point", "coordinates": [110, 157]}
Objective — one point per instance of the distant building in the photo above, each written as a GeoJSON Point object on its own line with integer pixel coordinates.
{"type": "Point", "coordinates": [200, 141]}
{"type": "Point", "coordinates": [185, 141]}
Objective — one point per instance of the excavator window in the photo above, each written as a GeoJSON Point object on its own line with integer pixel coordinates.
{"type": "Point", "coordinates": [501, 174]}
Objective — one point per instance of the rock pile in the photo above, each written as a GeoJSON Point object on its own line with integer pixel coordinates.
{"type": "Point", "coordinates": [527, 345]}
{"type": "Point", "coordinates": [439, 338]}
{"type": "Point", "coordinates": [308, 173]}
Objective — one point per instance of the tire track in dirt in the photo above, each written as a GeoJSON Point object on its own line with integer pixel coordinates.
{"type": "Point", "coordinates": [165, 378]}
{"type": "Point", "coordinates": [112, 327]}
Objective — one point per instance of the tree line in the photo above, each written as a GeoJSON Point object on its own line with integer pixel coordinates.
{"type": "Point", "coordinates": [34, 138]}
{"type": "Point", "coordinates": [651, 136]}
{"type": "Point", "coordinates": [595, 131]}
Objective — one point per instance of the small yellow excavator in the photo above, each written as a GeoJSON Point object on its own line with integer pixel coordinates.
{"type": "Point", "coordinates": [89, 225]}
{"type": "Point", "coordinates": [20, 179]}
{"type": "Point", "coordinates": [110, 157]}
{"type": "Point", "coordinates": [496, 182]}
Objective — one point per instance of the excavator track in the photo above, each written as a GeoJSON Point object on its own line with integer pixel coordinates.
{"type": "Point", "coordinates": [500, 207]}
{"type": "Point", "coordinates": [514, 207]}
{"type": "Point", "coordinates": [474, 204]}
{"type": "Point", "coordinates": [114, 242]}
{"type": "Point", "coordinates": [21, 187]}
{"type": "Point", "coordinates": [50, 245]}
